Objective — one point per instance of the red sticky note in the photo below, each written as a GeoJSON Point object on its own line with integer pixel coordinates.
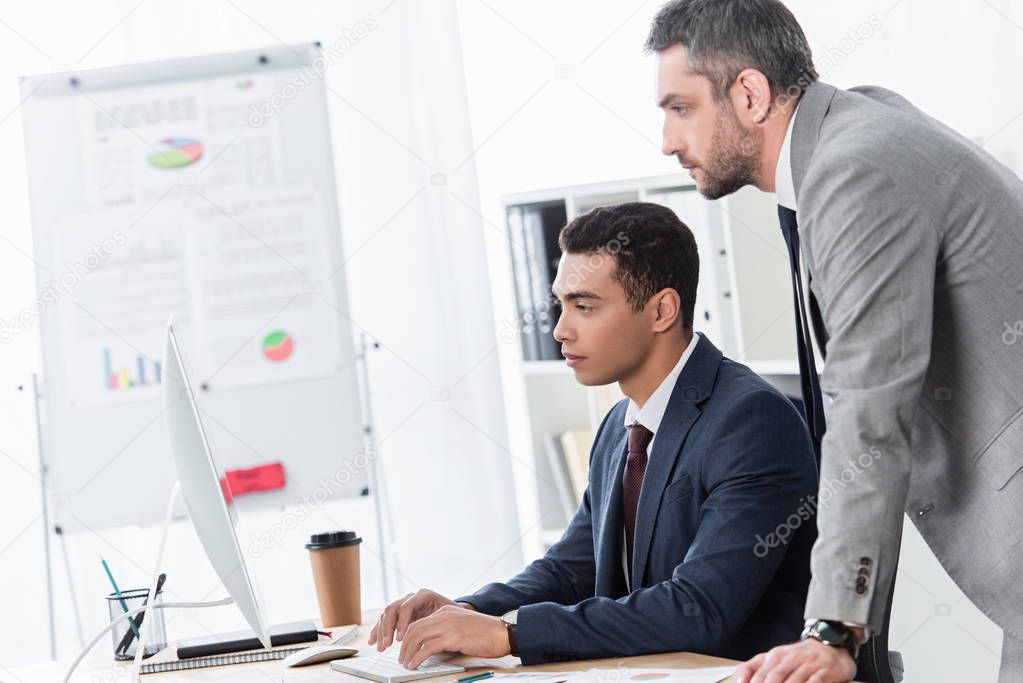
{"type": "Point", "coordinates": [262, 478]}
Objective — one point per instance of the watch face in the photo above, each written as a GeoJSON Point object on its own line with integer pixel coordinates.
{"type": "Point", "coordinates": [511, 617]}
{"type": "Point", "coordinates": [829, 634]}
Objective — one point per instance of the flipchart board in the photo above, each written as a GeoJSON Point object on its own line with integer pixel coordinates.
{"type": "Point", "coordinates": [201, 188]}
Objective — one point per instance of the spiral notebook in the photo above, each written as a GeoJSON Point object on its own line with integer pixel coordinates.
{"type": "Point", "coordinates": [218, 660]}
{"type": "Point", "coordinates": [168, 661]}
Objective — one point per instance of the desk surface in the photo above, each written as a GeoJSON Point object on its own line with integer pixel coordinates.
{"type": "Point", "coordinates": [101, 668]}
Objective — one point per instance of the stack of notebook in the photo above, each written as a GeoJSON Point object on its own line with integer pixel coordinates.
{"type": "Point", "coordinates": [240, 647]}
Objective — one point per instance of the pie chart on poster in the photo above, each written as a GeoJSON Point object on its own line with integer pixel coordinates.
{"type": "Point", "coordinates": [278, 346]}
{"type": "Point", "coordinates": [175, 153]}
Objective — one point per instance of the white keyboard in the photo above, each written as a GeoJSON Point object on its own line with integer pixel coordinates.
{"type": "Point", "coordinates": [384, 668]}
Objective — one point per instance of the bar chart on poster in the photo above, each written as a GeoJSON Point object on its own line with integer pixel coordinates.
{"type": "Point", "coordinates": [201, 188]}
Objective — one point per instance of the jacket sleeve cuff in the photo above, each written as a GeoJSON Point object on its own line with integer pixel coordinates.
{"type": "Point", "coordinates": [537, 638]}
{"type": "Point", "coordinates": [851, 587]}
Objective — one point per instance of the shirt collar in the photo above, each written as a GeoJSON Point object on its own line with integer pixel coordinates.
{"type": "Point", "coordinates": [652, 412]}
{"type": "Point", "coordinates": [784, 186]}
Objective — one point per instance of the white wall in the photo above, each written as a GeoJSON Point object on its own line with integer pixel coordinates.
{"type": "Point", "coordinates": [594, 120]}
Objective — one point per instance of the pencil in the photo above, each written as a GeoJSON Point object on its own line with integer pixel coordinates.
{"type": "Point", "coordinates": [117, 592]}
{"type": "Point", "coordinates": [477, 677]}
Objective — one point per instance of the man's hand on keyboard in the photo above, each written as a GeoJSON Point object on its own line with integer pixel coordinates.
{"type": "Point", "coordinates": [453, 629]}
{"type": "Point", "coordinates": [394, 620]}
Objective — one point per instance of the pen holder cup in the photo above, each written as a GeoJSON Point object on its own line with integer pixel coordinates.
{"type": "Point", "coordinates": [125, 641]}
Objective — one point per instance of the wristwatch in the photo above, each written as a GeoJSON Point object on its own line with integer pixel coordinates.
{"type": "Point", "coordinates": [833, 633]}
{"type": "Point", "coordinates": [511, 622]}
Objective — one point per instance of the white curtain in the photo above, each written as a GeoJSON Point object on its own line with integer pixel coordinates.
{"type": "Point", "coordinates": [419, 284]}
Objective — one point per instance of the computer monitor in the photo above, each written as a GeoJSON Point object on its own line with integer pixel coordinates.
{"type": "Point", "coordinates": [200, 487]}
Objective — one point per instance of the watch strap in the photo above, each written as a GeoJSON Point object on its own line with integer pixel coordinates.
{"type": "Point", "coordinates": [833, 633]}
{"type": "Point", "coordinates": [513, 641]}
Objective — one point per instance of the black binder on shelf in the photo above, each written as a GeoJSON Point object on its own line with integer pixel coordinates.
{"type": "Point", "coordinates": [524, 317]}
{"type": "Point", "coordinates": [533, 238]}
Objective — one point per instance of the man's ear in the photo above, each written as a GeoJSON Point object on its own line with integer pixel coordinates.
{"type": "Point", "coordinates": [751, 97]}
{"type": "Point", "coordinates": [667, 307]}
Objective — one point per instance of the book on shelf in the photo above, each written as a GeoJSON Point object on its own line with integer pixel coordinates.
{"type": "Point", "coordinates": [567, 500]}
{"type": "Point", "coordinates": [568, 459]}
{"type": "Point", "coordinates": [576, 445]}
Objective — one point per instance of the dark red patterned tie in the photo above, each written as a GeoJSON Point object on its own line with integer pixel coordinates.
{"type": "Point", "coordinates": [632, 480]}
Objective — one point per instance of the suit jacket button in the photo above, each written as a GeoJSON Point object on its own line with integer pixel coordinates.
{"type": "Point", "coordinates": [865, 561]}
{"type": "Point", "coordinates": [864, 572]}
{"type": "Point", "coordinates": [860, 589]}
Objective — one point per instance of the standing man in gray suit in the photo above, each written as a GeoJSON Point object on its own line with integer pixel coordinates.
{"type": "Point", "coordinates": [912, 242]}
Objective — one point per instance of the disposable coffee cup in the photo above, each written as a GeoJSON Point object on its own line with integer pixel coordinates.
{"type": "Point", "coordinates": [335, 559]}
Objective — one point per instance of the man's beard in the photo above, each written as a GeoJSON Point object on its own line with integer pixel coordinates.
{"type": "Point", "coordinates": [734, 157]}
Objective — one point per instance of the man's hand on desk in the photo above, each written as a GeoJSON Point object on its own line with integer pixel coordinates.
{"type": "Point", "coordinates": [396, 618]}
{"type": "Point", "coordinates": [454, 629]}
{"type": "Point", "coordinates": [804, 662]}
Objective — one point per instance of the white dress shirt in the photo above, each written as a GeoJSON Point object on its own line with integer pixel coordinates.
{"type": "Point", "coordinates": [784, 185]}
{"type": "Point", "coordinates": [650, 416]}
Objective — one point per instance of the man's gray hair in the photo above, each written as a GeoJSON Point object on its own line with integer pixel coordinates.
{"type": "Point", "coordinates": [723, 37]}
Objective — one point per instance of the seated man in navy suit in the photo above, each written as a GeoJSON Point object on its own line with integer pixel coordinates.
{"type": "Point", "coordinates": [694, 532]}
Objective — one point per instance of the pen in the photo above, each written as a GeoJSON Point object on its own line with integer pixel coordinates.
{"type": "Point", "coordinates": [137, 619]}
{"type": "Point", "coordinates": [117, 592]}
{"type": "Point", "coordinates": [477, 677]}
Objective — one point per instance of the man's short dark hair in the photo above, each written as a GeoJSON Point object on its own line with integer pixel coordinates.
{"type": "Point", "coordinates": [651, 247]}
{"type": "Point", "coordinates": [723, 37]}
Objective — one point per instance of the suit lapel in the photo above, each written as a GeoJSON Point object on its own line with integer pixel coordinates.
{"type": "Point", "coordinates": [806, 132]}
{"type": "Point", "coordinates": [806, 129]}
{"type": "Point", "coordinates": [612, 521]}
{"type": "Point", "coordinates": [693, 387]}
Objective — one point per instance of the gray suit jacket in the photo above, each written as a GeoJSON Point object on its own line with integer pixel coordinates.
{"type": "Point", "coordinates": [913, 237]}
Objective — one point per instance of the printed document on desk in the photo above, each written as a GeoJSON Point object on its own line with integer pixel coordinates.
{"type": "Point", "coordinates": [619, 675]}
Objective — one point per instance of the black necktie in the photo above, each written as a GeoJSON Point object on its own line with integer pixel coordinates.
{"type": "Point", "coordinates": [813, 403]}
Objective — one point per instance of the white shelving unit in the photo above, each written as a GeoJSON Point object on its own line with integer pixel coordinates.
{"type": "Point", "coordinates": [744, 305]}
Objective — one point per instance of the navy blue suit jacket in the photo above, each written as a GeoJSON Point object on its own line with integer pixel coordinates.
{"type": "Point", "coordinates": [731, 464]}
